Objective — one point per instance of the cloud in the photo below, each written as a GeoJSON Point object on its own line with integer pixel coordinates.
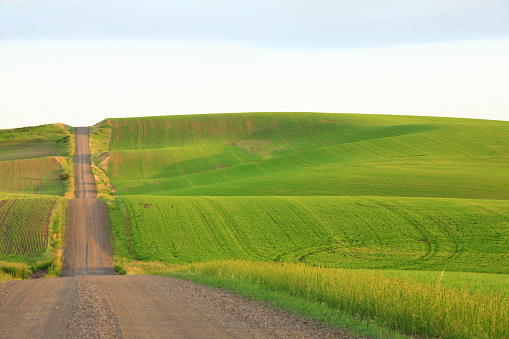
{"type": "Point", "coordinates": [268, 23]}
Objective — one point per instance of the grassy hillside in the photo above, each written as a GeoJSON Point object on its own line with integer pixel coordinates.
{"type": "Point", "coordinates": [397, 200]}
{"type": "Point", "coordinates": [35, 174]}
{"type": "Point", "coordinates": [40, 175]}
{"type": "Point", "coordinates": [354, 232]}
{"type": "Point", "coordinates": [31, 159]}
{"type": "Point", "coordinates": [315, 188]}
{"type": "Point", "coordinates": [310, 154]}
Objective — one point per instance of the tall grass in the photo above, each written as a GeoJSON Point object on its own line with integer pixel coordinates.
{"type": "Point", "coordinates": [16, 270]}
{"type": "Point", "coordinates": [100, 135]}
{"type": "Point", "coordinates": [405, 305]}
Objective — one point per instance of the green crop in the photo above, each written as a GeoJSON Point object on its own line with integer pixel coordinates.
{"type": "Point", "coordinates": [36, 170]}
{"type": "Point", "coordinates": [354, 232]}
{"type": "Point", "coordinates": [397, 218]}
{"type": "Point", "coordinates": [310, 154]}
{"type": "Point", "coordinates": [24, 226]}
{"type": "Point", "coordinates": [41, 176]}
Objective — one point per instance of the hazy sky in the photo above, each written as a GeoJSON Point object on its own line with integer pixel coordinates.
{"type": "Point", "coordinates": [78, 62]}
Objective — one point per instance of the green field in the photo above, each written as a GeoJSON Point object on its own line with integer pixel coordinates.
{"type": "Point", "coordinates": [417, 207]}
{"type": "Point", "coordinates": [352, 232]}
{"type": "Point", "coordinates": [24, 227]}
{"type": "Point", "coordinates": [342, 190]}
{"type": "Point", "coordinates": [33, 166]}
{"type": "Point", "coordinates": [305, 154]}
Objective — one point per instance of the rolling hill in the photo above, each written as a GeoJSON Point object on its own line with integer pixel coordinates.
{"type": "Point", "coordinates": [342, 190]}
{"type": "Point", "coordinates": [32, 160]}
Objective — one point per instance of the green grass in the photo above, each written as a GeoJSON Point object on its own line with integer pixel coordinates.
{"type": "Point", "coordinates": [310, 154]}
{"type": "Point", "coordinates": [36, 176]}
{"type": "Point", "coordinates": [100, 135]}
{"type": "Point", "coordinates": [430, 309]}
{"type": "Point", "coordinates": [354, 232]}
{"type": "Point", "coordinates": [31, 159]}
{"type": "Point", "coordinates": [24, 227]}
{"type": "Point", "coordinates": [36, 168]}
{"type": "Point", "coordinates": [27, 150]}
{"type": "Point", "coordinates": [50, 132]}
{"type": "Point", "coordinates": [415, 207]}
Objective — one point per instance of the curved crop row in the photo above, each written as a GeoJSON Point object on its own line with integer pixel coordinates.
{"type": "Point", "coordinates": [355, 232]}
{"type": "Point", "coordinates": [24, 226]}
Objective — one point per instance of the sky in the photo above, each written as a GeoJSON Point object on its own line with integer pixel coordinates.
{"type": "Point", "coordinates": [79, 62]}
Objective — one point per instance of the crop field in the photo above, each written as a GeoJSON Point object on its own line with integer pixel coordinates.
{"type": "Point", "coordinates": [27, 150]}
{"type": "Point", "coordinates": [343, 190]}
{"type": "Point", "coordinates": [38, 176]}
{"type": "Point", "coordinates": [310, 154]}
{"type": "Point", "coordinates": [32, 161]}
{"type": "Point", "coordinates": [417, 207]}
{"type": "Point", "coordinates": [24, 225]}
{"type": "Point", "coordinates": [354, 232]}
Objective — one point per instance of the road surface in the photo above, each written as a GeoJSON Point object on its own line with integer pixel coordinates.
{"type": "Point", "coordinates": [91, 301]}
{"type": "Point", "coordinates": [87, 250]}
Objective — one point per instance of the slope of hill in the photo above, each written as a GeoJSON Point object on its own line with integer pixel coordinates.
{"type": "Point", "coordinates": [310, 154]}
{"type": "Point", "coordinates": [34, 175]}
{"type": "Point", "coordinates": [347, 190]}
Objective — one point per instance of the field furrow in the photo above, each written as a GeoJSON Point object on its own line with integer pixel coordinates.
{"type": "Point", "coordinates": [354, 232]}
{"type": "Point", "coordinates": [24, 228]}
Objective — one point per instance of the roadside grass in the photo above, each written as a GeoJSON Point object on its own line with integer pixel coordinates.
{"type": "Point", "coordinates": [367, 302]}
{"type": "Point", "coordinates": [355, 325]}
{"type": "Point", "coordinates": [55, 244]}
{"type": "Point", "coordinates": [403, 305]}
{"type": "Point", "coordinates": [317, 311]}
{"type": "Point", "coordinates": [100, 136]}
{"type": "Point", "coordinates": [4, 277]}
{"type": "Point", "coordinates": [15, 270]}
{"type": "Point", "coordinates": [481, 283]}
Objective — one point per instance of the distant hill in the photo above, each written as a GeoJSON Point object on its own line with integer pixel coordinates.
{"type": "Point", "coordinates": [311, 154]}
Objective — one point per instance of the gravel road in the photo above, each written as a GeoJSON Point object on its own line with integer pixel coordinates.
{"type": "Point", "coordinates": [87, 250]}
{"type": "Point", "coordinates": [92, 302]}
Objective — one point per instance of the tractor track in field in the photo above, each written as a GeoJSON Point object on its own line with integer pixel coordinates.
{"type": "Point", "coordinates": [91, 301]}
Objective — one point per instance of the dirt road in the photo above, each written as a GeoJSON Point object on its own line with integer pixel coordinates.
{"type": "Point", "coordinates": [90, 301]}
{"type": "Point", "coordinates": [87, 250]}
